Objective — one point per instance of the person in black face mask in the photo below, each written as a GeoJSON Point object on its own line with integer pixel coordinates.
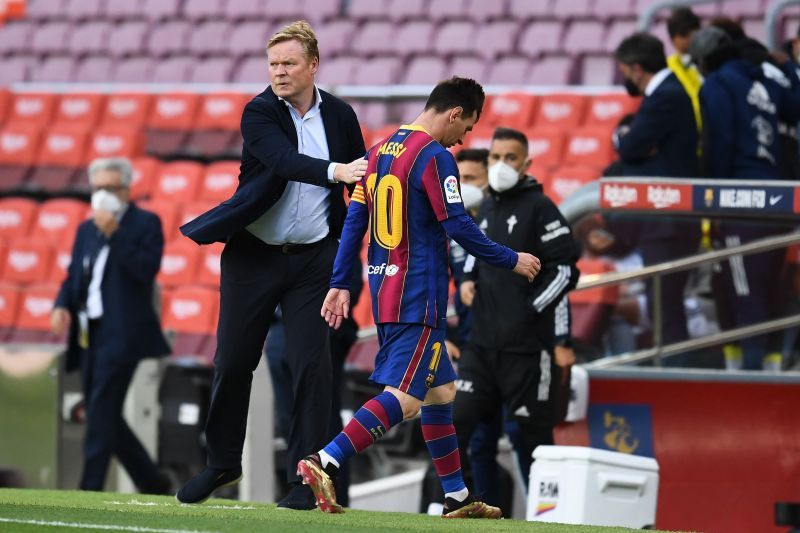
{"type": "Point", "coordinates": [662, 141]}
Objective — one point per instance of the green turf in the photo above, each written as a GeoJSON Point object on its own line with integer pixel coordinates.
{"type": "Point", "coordinates": [125, 512]}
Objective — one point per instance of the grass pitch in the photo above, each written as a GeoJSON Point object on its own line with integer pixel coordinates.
{"type": "Point", "coordinates": [23, 511]}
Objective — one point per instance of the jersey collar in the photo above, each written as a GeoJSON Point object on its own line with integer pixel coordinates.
{"type": "Point", "coordinates": [414, 127]}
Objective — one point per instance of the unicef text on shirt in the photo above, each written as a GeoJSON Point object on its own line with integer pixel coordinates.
{"type": "Point", "coordinates": [383, 268]}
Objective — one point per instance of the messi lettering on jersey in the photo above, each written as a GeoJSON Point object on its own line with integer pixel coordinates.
{"type": "Point", "coordinates": [411, 185]}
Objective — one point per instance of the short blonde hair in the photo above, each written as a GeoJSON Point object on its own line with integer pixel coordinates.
{"type": "Point", "coordinates": [301, 31]}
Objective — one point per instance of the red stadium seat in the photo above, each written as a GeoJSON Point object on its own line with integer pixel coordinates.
{"type": "Point", "coordinates": [178, 181]}
{"type": "Point", "coordinates": [178, 263]}
{"type": "Point", "coordinates": [209, 268]}
{"type": "Point", "coordinates": [58, 220]}
{"type": "Point", "coordinates": [61, 157]}
{"type": "Point", "coordinates": [480, 137]}
{"type": "Point", "coordinates": [217, 123]}
{"type": "Point", "coordinates": [172, 116]}
{"type": "Point", "coordinates": [33, 318]}
{"type": "Point", "coordinates": [513, 110]}
{"type": "Point", "coordinates": [16, 217]}
{"type": "Point", "coordinates": [220, 181]}
{"type": "Point", "coordinates": [608, 109]}
{"type": "Point", "coordinates": [191, 314]}
{"type": "Point", "coordinates": [60, 263]}
{"type": "Point", "coordinates": [19, 145]}
{"type": "Point", "coordinates": [27, 262]}
{"type": "Point", "coordinates": [194, 210]}
{"type": "Point", "coordinates": [563, 111]}
{"type": "Point", "coordinates": [5, 103]}
{"type": "Point", "coordinates": [33, 109]}
{"type": "Point", "coordinates": [10, 298]}
{"type": "Point", "coordinates": [128, 109]}
{"type": "Point", "coordinates": [145, 170]}
{"type": "Point", "coordinates": [545, 146]}
{"type": "Point", "coordinates": [167, 212]}
{"type": "Point", "coordinates": [116, 141]}
{"type": "Point", "coordinates": [590, 146]}
{"type": "Point", "coordinates": [565, 180]}
{"type": "Point", "coordinates": [80, 109]}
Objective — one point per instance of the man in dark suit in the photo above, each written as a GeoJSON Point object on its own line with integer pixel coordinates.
{"type": "Point", "coordinates": [106, 304]}
{"type": "Point", "coordinates": [662, 141]}
{"type": "Point", "coordinates": [280, 228]}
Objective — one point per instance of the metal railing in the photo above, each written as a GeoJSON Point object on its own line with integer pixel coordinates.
{"type": "Point", "coordinates": [658, 351]}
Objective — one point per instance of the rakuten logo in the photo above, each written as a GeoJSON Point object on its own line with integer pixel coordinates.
{"type": "Point", "coordinates": [662, 197]}
{"type": "Point", "coordinates": [620, 195]}
{"type": "Point", "coordinates": [75, 107]}
{"type": "Point", "coordinates": [183, 309]}
{"type": "Point", "coordinates": [219, 106]}
{"type": "Point", "coordinates": [38, 306]}
{"type": "Point", "coordinates": [383, 268]}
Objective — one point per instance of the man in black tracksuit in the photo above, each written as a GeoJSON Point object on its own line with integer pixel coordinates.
{"type": "Point", "coordinates": [509, 360]}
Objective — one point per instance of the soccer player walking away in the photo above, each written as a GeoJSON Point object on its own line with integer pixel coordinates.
{"type": "Point", "coordinates": [410, 197]}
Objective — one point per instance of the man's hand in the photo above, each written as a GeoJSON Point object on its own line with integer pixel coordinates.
{"type": "Point", "coordinates": [336, 307]}
{"type": "Point", "coordinates": [527, 265]}
{"type": "Point", "coordinates": [467, 291]}
{"type": "Point", "coordinates": [106, 222]}
{"type": "Point", "coordinates": [351, 172]}
{"type": "Point", "coordinates": [59, 321]}
{"type": "Point", "coordinates": [453, 351]}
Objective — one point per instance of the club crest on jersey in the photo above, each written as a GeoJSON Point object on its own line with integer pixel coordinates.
{"type": "Point", "coordinates": [451, 190]}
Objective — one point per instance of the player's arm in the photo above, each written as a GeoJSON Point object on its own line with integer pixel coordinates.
{"type": "Point", "coordinates": [559, 253]}
{"type": "Point", "coordinates": [440, 182]}
{"type": "Point", "coordinates": [337, 303]}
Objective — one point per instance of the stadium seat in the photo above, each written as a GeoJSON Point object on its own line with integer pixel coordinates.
{"type": "Point", "coordinates": [367, 9]}
{"type": "Point", "coordinates": [510, 70]}
{"type": "Point", "coordinates": [598, 69]}
{"type": "Point", "coordinates": [10, 298]}
{"type": "Point", "coordinates": [193, 210]}
{"type": "Point", "coordinates": [122, 9]}
{"type": "Point", "coordinates": [61, 259]}
{"type": "Point", "coordinates": [79, 109]}
{"type": "Point", "coordinates": [217, 123]}
{"type": "Point", "coordinates": [57, 221]}
{"type": "Point", "coordinates": [172, 116]}
{"type": "Point", "coordinates": [335, 37]}
{"type": "Point", "coordinates": [190, 313]}
{"type": "Point", "coordinates": [608, 109]}
{"type": "Point", "coordinates": [317, 10]}
{"type": "Point", "coordinates": [128, 109]}
{"type": "Point", "coordinates": [54, 69]}
{"type": "Point", "coordinates": [584, 36]}
{"type": "Point", "coordinates": [116, 141]}
{"type": "Point", "coordinates": [179, 263]}
{"type": "Point", "coordinates": [209, 268]}
{"type": "Point", "coordinates": [539, 37]}
{"type": "Point", "coordinates": [83, 9]}
{"type": "Point", "coordinates": [134, 70]}
{"type": "Point", "coordinates": [446, 10]}
{"type": "Point", "coordinates": [175, 69]}
{"type": "Point", "coordinates": [245, 10]}
{"type": "Point", "coordinates": [605, 9]}
{"type": "Point", "coordinates": [545, 146]}
{"type": "Point", "coordinates": [33, 109]}
{"type": "Point", "coordinates": [336, 71]}
{"type": "Point", "coordinates": [569, 9]}
{"type": "Point", "coordinates": [5, 104]}
{"type": "Point", "coordinates": [427, 70]}
{"type": "Point", "coordinates": [754, 28]}
{"type": "Point", "coordinates": [617, 31]}
{"type": "Point", "coordinates": [252, 69]}
{"type": "Point", "coordinates": [167, 212]}
{"type": "Point", "coordinates": [40, 11]}
{"type": "Point", "coordinates": [563, 111]}
{"type": "Point", "coordinates": [592, 308]}
{"type": "Point", "coordinates": [161, 9]}
{"type": "Point", "coordinates": [219, 182]}
{"type": "Point", "coordinates": [512, 110]}
{"type": "Point", "coordinates": [89, 38]}
{"type": "Point", "coordinates": [169, 38]}
{"type": "Point", "coordinates": [415, 38]}
{"type": "Point", "coordinates": [16, 217]}
{"type": "Point", "coordinates": [145, 170]}
{"type": "Point", "coordinates": [212, 70]}
{"type": "Point", "coordinates": [16, 69]}
{"type": "Point", "coordinates": [402, 10]}
{"type": "Point", "coordinates": [61, 157]}
{"type": "Point", "coordinates": [283, 12]}
{"type": "Point", "coordinates": [380, 134]}
{"type": "Point", "coordinates": [49, 37]}
{"type": "Point", "coordinates": [249, 36]}
{"type": "Point", "coordinates": [19, 144]}
{"type": "Point", "coordinates": [496, 38]}
{"type": "Point", "coordinates": [33, 318]}
{"type": "Point", "coordinates": [567, 179]}
{"type": "Point", "coordinates": [15, 37]}
{"type": "Point", "coordinates": [27, 261]}
{"type": "Point", "coordinates": [129, 38]}
{"type": "Point", "coordinates": [454, 37]}
{"type": "Point", "coordinates": [551, 70]}
{"type": "Point", "coordinates": [203, 9]}
{"type": "Point", "coordinates": [589, 146]}
{"type": "Point", "coordinates": [479, 137]}
{"type": "Point", "coordinates": [378, 71]}
{"type": "Point", "coordinates": [468, 66]}
{"type": "Point", "coordinates": [377, 37]}
{"type": "Point", "coordinates": [178, 181]}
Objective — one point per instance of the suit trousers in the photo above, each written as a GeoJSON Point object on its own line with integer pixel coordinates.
{"type": "Point", "coordinates": [255, 278]}
{"type": "Point", "coordinates": [105, 384]}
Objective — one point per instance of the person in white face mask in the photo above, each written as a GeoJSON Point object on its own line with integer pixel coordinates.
{"type": "Point", "coordinates": [511, 360]}
{"type": "Point", "coordinates": [106, 306]}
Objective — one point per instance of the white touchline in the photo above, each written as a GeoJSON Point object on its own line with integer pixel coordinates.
{"type": "Point", "coordinates": [157, 504]}
{"type": "Point", "coordinates": [79, 525]}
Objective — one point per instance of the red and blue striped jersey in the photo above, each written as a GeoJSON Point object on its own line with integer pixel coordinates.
{"type": "Point", "coordinates": [410, 187]}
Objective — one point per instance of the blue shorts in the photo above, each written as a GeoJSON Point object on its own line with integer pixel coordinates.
{"type": "Point", "coordinates": [412, 358]}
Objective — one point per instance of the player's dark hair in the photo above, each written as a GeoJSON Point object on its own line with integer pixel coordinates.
{"type": "Point", "coordinates": [505, 134]}
{"type": "Point", "coordinates": [682, 22]}
{"type": "Point", "coordinates": [478, 155]}
{"type": "Point", "coordinates": [457, 92]}
{"type": "Point", "coordinates": [729, 26]}
{"type": "Point", "coordinates": [642, 49]}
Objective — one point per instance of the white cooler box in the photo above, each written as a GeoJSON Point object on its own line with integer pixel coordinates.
{"type": "Point", "coordinates": [577, 485]}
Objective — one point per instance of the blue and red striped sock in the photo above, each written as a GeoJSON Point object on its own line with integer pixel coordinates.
{"type": "Point", "coordinates": [370, 423]}
{"type": "Point", "coordinates": [440, 436]}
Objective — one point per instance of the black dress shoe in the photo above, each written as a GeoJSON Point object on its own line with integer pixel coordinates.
{"type": "Point", "coordinates": [300, 498]}
{"type": "Point", "coordinates": [202, 486]}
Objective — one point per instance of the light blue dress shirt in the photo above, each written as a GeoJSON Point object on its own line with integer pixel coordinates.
{"type": "Point", "coordinates": [300, 216]}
